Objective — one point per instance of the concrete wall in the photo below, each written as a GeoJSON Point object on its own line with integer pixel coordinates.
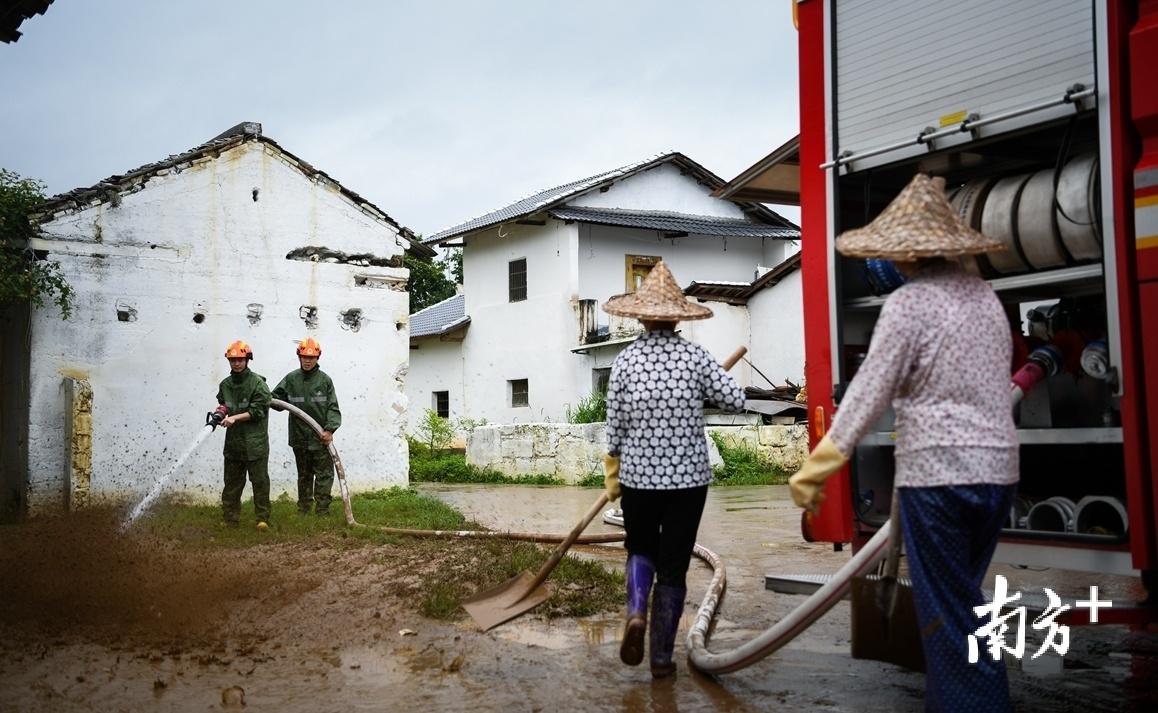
{"type": "Point", "coordinates": [784, 446]}
{"type": "Point", "coordinates": [777, 318]}
{"type": "Point", "coordinates": [195, 242]}
{"type": "Point", "coordinates": [570, 452]}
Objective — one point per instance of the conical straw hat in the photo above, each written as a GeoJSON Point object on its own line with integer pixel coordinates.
{"type": "Point", "coordinates": [659, 298]}
{"type": "Point", "coordinates": [918, 223]}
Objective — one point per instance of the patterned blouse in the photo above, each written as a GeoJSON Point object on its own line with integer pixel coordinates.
{"type": "Point", "coordinates": [655, 411]}
{"type": "Point", "coordinates": [940, 353]}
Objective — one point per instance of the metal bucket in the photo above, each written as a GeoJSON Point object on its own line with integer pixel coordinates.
{"type": "Point", "coordinates": [1101, 515]}
{"type": "Point", "coordinates": [1077, 207]}
{"type": "Point", "coordinates": [968, 201]}
{"type": "Point", "coordinates": [1018, 511]}
{"type": "Point", "coordinates": [1037, 230]}
{"type": "Point", "coordinates": [998, 221]}
{"type": "Point", "coordinates": [1054, 514]}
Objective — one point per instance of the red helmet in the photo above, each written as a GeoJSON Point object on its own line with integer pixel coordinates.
{"type": "Point", "coordinates": [238, 350]}
{"type": "Point", "coordinates": [309, 347]}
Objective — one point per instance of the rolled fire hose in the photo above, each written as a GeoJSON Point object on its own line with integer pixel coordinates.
{"type": "Point", "coordinates": [347, 508]}
{"type": "Point", "coordinates": [788, 628]}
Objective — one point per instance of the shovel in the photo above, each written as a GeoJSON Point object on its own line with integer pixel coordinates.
{"type": "Point", "coordinates": [525, 591]}
{"type": "Point", "coordinates": [884, 616]}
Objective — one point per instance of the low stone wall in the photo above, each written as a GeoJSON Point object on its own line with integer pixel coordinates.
{"type": "Point", "coordinates": [567, 451]}
{"type": "Point", "coordinates": [784, 446]}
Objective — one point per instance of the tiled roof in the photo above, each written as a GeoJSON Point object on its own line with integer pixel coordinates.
{"type": "Point", "coordinates": [111, 188]}
{"type": "Point", "coordinates": [439, 318]}
{"type": "Point", "coordinates": [740, 292]}
{"type": "Point", "coordinates": [675, 222]}
{"type": "Point", "coordinates": [552, 197]}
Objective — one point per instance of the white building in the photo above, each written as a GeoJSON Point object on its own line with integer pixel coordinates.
{"type": "Point", "coordinates": [234, 239]}
{"type": "Point", "coordinates": [527, 338]}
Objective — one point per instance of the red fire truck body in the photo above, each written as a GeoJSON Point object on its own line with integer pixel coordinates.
{"type": "Point", "coordinates": [1009, 102]}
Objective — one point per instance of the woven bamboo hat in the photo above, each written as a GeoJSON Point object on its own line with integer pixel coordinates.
{"type": "Point", "coordinates": [659, 298]}
{"type": "Point", "coordinates": [918, 223]}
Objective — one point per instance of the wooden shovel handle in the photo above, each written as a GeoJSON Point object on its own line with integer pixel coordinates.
{"type": "Point", "coordinates": [735, 357]}
{"type": "Point", "coordinates": [561, 550]}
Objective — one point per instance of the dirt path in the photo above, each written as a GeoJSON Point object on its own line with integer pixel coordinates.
{"type": "Point", "coordinates": [330, 627]}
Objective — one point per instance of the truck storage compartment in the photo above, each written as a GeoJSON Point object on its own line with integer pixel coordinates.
{"type": "Point", "coordinates": [1035, 189]}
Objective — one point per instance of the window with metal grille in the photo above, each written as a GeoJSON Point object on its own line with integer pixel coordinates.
{"type": "Point", "coordinates": [441, 401]}
{"type": "Point", "coordinates": [519, 393]}
{"type": "Point", "coordinates": [517, 279]}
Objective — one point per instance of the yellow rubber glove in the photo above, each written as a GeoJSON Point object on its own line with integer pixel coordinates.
{"type": "Point", "coordinates": [807, 484]}
{"type": "Point", "coordinates": [611, 477]}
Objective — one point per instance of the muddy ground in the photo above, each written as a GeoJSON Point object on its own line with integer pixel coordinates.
{"type": "Point", "coordinates": [319, 626]}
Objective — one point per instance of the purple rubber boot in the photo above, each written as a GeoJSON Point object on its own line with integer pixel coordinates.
{"type": "Point", "coordinates": [640, 572]}
{"type": "Point", "coordinates": [666, 609]}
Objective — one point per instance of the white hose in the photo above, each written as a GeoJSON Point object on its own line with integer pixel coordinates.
{"type": "Point", "coordinates": [771, 639]}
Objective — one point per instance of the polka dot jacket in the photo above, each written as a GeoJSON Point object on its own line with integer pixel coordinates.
{"type": "Point", "coordinates": [655, 411]}
{"type": "Point", "coordinates": [940, 353]}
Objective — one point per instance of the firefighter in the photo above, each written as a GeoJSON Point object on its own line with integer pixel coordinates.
{"type": "Point", "coordinates": [940, 354]}
{"type": "Point", "coordinates": [246, 397]}
{"type": "Point", "coordinates": [311, 389]}
{"type": "Point", "coordinates": [658, 457]}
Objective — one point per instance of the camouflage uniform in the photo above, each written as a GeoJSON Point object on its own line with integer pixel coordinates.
{"type": "Point", "coordinates": [313, 392]}
{"type": "Point", "coordinates": [246, 444]}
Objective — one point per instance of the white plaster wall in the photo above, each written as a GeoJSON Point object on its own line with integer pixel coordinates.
{"type": "Point", "coordinates": [520, 340]}
{"type": "Point", "coordinates": [603, 250]}
{"type": "Point", "coordinates": [721, 335]}
{"type": "Point", "coordinates": [777, 318]}
{"type": "Point", "coordinates": [662, 188]}
{"type": "Point", "coordinates": [434, 366]}
{"type": "Point", "coordinates": [197, 241]}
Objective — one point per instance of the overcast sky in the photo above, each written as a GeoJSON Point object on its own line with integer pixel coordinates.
{"type": "Point", "coordinates": [435, 110]}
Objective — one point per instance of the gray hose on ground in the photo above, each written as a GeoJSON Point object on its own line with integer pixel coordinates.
{"type": "Point", "coordinates": [343, 486]}
{"type": "Point", "coordinates": [788, 628]}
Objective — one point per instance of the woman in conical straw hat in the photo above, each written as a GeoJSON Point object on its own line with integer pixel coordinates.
{"type": "Point", "coordinates": [940, 354]}
{"type": "Point", "coordinates": [658, 457]}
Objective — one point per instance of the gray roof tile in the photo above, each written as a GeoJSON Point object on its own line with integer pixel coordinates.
{"type": "Point", "coordinates": [439, 318]}
{"type": "Point", "coordinates": [675, 222]}
{"type": "Point", "coordinates": [537, 202]}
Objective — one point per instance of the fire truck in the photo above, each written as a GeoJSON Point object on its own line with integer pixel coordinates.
{"type": "Point", "coordinates": [1042, 116]}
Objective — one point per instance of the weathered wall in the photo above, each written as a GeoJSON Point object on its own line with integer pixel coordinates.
{"type": "Point", "coordinates": [191, 263]}
{"type": "Point", "coordinates": [570, 452]}
{"type": "Point", "coordinates": [777, 315]}
{"type": "Point", "coordinates": [783, 446]}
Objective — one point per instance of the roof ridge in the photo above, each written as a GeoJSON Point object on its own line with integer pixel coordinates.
{"type": "Point", "coordinates": [558, 192]}
{"type": "Point", "coordinates": [660, 213]}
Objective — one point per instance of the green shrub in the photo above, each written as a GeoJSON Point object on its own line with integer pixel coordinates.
{"type": "Point", "coordinates": [428, 466]}
{"type": "Point", "coordinates": [743, 466]}
{"type": "Point", "coordinates": [592, 409]}
{"type": "Point", "coordinates": [435, 431]}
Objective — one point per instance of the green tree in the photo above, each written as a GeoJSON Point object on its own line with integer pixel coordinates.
{"type": "Point", "coordinates": [453, 263]}
{"type": "Point", "coordinates": [428, 282]}
{"type": "Point", "coordinates": [26, 275]}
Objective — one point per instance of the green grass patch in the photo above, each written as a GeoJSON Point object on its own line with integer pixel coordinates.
{"type": "Point", "coordinates": [743, 465]}
{"type": "Point", "coordinates": [395, 507]}
{"type": "Point", "coordinates": [590, 409]}
{"type": "Point", "coordinates": [428, 466]}
{"type": "Point", "coordinates": [431, 575]}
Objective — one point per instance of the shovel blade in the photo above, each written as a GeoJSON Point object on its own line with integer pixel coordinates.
{"type": "Point", "coordinates": [505, 602]}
